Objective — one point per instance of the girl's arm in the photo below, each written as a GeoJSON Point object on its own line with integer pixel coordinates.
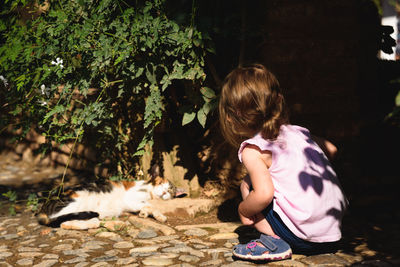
{"type": "Point", "coordinates": [261, 196]}
{"type": "Point", "coordinates": [245, 187]}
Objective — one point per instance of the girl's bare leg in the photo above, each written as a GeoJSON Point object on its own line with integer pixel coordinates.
{"type": "Point", "coordinates": [263, 226]}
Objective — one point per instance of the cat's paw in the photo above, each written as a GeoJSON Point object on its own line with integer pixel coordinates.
{"type": "Point", "coordinates": [145, 212]}
{"type": "Point", "coordinates": [159, 216]}
{"type": "Point", "coordinates": [149, 211]}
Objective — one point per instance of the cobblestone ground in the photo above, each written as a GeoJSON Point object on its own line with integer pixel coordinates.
{"type": "Point", "coordinates": [137, 242]}
{"type": "Point", "coordinates": [200, 241]}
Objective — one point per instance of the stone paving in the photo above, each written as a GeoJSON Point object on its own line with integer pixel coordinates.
{"type": "Point", "coordinates": [133, 241]}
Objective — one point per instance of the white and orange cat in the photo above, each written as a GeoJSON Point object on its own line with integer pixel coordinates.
{"type": "Point", "coordinates": [76, 207]}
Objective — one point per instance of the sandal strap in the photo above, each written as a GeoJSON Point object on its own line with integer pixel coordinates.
{"type": "Point", "coordinates": [267, 241]}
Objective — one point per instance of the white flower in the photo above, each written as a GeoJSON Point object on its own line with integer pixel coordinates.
{"type": "Point", "coordinates": [59, 62]}
{"type": "Point", "coordinates": [4, 80]}
{"type": "Point", "coordinates": [42, 103]}
{"type": "Point", "coordinates": [44, 90]}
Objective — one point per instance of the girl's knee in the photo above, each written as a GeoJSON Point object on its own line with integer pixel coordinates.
{"type": "Point", "coordinates": [248, 223]}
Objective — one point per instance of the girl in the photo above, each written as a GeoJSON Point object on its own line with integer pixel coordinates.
{"type": "Point", "coordinates": [291, 194]}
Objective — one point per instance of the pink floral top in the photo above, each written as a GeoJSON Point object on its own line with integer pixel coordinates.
{"type": "Point", "coordinates": [308, 196]}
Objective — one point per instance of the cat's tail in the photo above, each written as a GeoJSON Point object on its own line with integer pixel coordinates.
{"type": "Point", "coordinates": [44, 219]}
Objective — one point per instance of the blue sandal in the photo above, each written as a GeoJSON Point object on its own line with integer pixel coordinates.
{"type": "Point", "coordinates": [271, 249]}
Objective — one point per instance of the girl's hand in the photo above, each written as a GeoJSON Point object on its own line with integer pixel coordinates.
{"type": "Point", "coordinates": [329, 149]}
{"type": "Point", "coordinates": [246, 220]}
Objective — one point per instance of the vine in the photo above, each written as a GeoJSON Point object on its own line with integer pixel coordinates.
{"type": "Point", "coordinates": [98, 72]}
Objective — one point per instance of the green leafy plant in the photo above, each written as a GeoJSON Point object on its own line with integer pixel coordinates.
{"type": "Point", "coordinates": [12, 198]}
{"type": "Point", "coordinates": [99, 72]}
{"type": "Point", "coordinates": [32, 202]}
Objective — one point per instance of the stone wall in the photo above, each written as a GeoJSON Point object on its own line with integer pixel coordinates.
{"type": "Point", "coordinates": [325, 54]}
{"type": "Point", "coordinates": [320, 51]}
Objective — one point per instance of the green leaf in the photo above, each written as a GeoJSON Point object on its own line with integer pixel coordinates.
{"type": "Point", "coordinates": [206, 108]}
{"type": "Point", "coordinates": [33, 202]}
{"type": "Point", "coordinates": [120, 92]}
{"type": "Point", "coordinates": [139, 153]}
{"type": "Point", "coordinates": [190, 33]}
{"type": "Point", "coordinates": [188, 117]}
{"type": "Point", "coordinates": [151, 77]}
{"type": "Point", "coordinates": [165, 84]}
{"type": "Point", "coordinates": [20, 81]}
{"type": "Point", "coordinates": [147, 139]}
{"type": "Point", "coordinates": [153, 109]}
{"type": "Point", "coordinates": [148, 6]}
{"type": "Point", "coordinates": [55, 110]}
{"type": "Point", "coordinates": [118, 60]}
{"type": "Point", "coordinates": [15, 50]}
{"type": "Point", "coordinates": [397, 99]}
{"type": "Point", "coordinates": [102, 5]}
{"type": "Point", "coordinates": [201, 117]}
{"type": "Point", "coordinates": [11, 195]}
{"type": "Point", "coordinates": [139, 72]}
{"type": "Point", "coordinates": [208, 93]}
{"type": "Point", "coordinates": [197, 42]}
{"type": "Point", "coordinates": [2, 26]}
{"type": "Point", "coordinates": [211, 49]}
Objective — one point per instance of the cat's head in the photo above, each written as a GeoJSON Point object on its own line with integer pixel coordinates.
{"type": "Point", "coordinates": [162, 187]}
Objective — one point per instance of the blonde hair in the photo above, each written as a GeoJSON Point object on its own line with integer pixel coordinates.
{"type": "Point", "coordinates": [251, 102]}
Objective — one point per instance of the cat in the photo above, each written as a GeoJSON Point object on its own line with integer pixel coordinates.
{"type": "Point", "coordinates": [107, 199]}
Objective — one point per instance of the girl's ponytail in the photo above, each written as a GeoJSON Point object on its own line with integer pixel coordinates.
{"type": "Point", "coordinates": [271, 126]}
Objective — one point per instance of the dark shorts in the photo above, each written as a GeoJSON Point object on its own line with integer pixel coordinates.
{"type": "Point", "coordinates": [297, 244]}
